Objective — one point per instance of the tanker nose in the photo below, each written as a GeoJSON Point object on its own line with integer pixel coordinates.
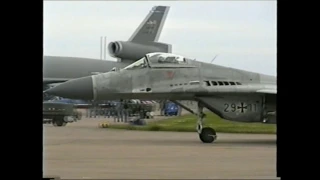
{"type": "Point", "coordinates": [80, 88]}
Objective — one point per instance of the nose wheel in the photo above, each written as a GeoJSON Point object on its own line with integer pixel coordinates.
{"type": "Point", "coordinates": [206, 134]}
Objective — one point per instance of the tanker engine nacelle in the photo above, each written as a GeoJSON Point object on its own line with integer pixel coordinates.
{"type": "Point", "coordinates": [134, 50]}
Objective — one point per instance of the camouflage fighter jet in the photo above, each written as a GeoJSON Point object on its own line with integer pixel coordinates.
{"type": "Point", "coordinates": [232, 94]}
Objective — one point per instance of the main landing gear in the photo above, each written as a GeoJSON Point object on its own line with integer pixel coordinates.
{"type": "Point", "coordinates": [206, 134]}
{"type": "Point", "coordinates": [58, 121]}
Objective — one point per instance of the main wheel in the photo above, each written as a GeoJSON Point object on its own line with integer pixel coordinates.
{"type": "Point", "coordinates": [58, 122]}
{"type": "Point", "coordinates": [208, 135]}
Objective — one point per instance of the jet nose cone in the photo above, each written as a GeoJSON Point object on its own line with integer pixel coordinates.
{"type": "Point", "coordinates": [81, 88]}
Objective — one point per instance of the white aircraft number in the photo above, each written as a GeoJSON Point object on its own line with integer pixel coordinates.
{"type": "Point", "coordinates": [240, 107]}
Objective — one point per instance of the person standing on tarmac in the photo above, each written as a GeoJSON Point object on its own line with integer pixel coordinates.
{"type": "Point", "coordinates": [162, 107]}
{"type": "Point", "coordinates": [125, 110]}
{"type": "Point", "coordinates": [119, 109]}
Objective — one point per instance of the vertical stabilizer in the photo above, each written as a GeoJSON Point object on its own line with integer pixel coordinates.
{"type": "Point", "coordinates": [150, 28]}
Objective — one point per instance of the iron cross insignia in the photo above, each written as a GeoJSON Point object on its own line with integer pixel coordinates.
{"type": "Point", "coordinates": [242, 107]}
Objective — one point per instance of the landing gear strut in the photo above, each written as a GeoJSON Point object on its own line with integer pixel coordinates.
{"type": "Point", "coordinates": [206, 134]}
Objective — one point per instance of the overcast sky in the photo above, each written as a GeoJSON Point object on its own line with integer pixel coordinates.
{"type": "Point", "coordinates": [242, 33]}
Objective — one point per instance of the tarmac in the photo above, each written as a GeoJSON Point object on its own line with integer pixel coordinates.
{"type": "Point", "coordinates": [82, 150]}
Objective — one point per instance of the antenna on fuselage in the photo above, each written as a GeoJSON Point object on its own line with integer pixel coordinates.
{"type": "Point", "coordinates": [214, 58]}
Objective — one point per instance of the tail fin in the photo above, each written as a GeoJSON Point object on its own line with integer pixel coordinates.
{"type": "Point", "coordinates": [150, 28]}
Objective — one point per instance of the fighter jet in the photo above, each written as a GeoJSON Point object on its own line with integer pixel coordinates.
{"type": "Point", "coordinates": [57, 69]}
{"type": "Point", "coordinates": [232, 94]}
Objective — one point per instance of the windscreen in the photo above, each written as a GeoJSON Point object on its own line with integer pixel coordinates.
{"type": "Point", "coordinates": [166, 58]}
{"type": "Point", "coordinates": [137, 65]}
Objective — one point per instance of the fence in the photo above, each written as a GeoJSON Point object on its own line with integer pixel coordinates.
{"type": "Point", "coordinates": [124, 115]}
{"type": "Point", "coordinates": [119, 115]}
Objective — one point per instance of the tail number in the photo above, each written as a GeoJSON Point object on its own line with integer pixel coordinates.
{"type": "Point", "coordinates": [240, 107]}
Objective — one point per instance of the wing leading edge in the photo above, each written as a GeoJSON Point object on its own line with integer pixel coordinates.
{"type": "Point", "coordinates": [267, 91]}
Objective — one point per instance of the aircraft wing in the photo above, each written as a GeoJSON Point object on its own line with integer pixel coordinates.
{"type": "Point", "coordinates": [267, 91]}
{"type": "Point", "coordinates": [258, 88]}
{"type": "Point", "coordinates": [243, 89]}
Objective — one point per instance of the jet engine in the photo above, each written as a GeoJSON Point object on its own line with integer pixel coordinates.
{"type": "Point", "coordinates": [134, 51]}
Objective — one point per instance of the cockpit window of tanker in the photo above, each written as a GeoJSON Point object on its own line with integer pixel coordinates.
{"type": "Point", "coordinates": [137, 65]}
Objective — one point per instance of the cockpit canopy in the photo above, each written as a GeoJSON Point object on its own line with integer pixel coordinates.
{"type": "Point", "coordinates": [157, 58]}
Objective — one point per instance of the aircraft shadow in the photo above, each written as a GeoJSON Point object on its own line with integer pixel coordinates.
{"type": "Point", "coordinates": [196, 142]}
